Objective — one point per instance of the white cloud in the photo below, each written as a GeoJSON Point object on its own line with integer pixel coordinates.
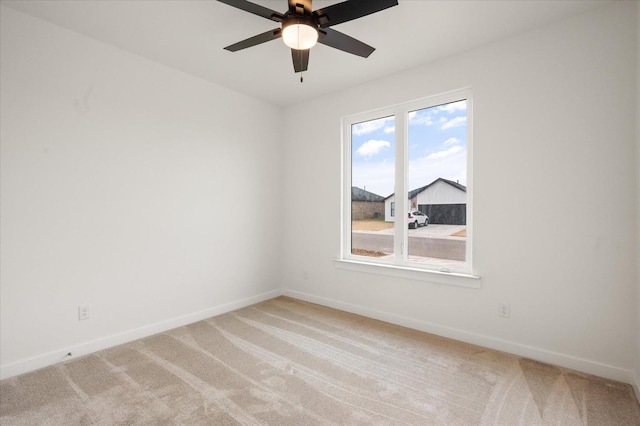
{"type": "Point", "coordinates": [390, 129]}
{"type": "Point", "coordinates": [443, 154]}
{"type": "Point", "coordinates": [452, 141]}
{"type": "Point", "coordinates": [371, 126]}
{"type": "Point", "coordinates": [428, 116]}
{"type": "Point", "coordinates": [377, 177]}
{"type": "Point", "coordinates": [372, 147]}
{"type": "Point", "coordinates": [449, 164]}
{"type": "Point", "coordinates": [453, 107]}
{"type": "Point", "coordinates": [424, 117]}
{"type": "Point", "coordinates": [454, 122]}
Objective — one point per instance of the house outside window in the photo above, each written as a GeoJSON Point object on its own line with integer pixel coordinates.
{"type": "Point", "coordinates": [421, 149]}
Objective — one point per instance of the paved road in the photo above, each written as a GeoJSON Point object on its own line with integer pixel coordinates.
{"type": "Point", "coordinates": [441, 248]}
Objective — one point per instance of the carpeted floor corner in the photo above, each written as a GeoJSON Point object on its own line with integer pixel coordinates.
{"type": "Point", "coordinates": [287, 362]}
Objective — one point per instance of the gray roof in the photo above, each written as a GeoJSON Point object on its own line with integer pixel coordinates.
{"type": "Point", "coordinates": [452, 183]}
{"type": "Point", "coordinates": [416, 191]}
{"type": "Point", "coordinates": [358, 194]}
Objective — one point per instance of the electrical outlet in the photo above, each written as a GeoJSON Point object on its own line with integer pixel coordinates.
{"type": "Point", "coordinates": [305, 275]}
{"type": "Point", "coordinates": [504, 310]}
{"type": "Point", "coordinates": [83, 312]}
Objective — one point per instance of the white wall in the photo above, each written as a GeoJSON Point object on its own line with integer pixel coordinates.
{"type": "Point", "coordinates": [387, 208]}
{"type": "Point", "coordinates": [442, 193]}
{"type": "Point", "coordinates": [637, 378]}
{"type": "Point", "coordinates": [554, 129]}
{"type": "Point", "coordinates": [120, 181]}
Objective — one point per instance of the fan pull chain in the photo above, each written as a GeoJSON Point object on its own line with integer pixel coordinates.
{"type": "Point", "coordinates": [301, 78]}
{"type": "Point", "coordinates": [301, 72]}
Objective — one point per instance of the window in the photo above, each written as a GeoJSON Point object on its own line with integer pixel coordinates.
{"type": "Point", "coordinates": [421, 149]}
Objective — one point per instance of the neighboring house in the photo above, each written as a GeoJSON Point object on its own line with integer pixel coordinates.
{"type": "Point", "coordinates": [366, 205]}
{"type": "Point", "coordinates": [443, 200]}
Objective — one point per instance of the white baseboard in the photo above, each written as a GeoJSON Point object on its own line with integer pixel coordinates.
{"type": "Point", "coordinates": [542, 355]}
{"type": "Point", "coordinates": [579, 364]}
{"type": "Point", "coordinates": [85, 348]}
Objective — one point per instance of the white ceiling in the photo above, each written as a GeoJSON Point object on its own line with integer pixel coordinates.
{"type": "Point", "coordinates": [189, 35]}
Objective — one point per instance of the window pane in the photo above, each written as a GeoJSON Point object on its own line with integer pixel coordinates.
{"type": "Point", "coordinates": [437, 179]}
{"type": "Point", "coordinates": [372, 180]}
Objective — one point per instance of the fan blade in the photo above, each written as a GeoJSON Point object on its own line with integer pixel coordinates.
{"type": "Point", "coordinates": [305, 4]}
{"type": "Point", "coordinates": [349, 10]}
{"type": "Point", "coordinates": [300, 59]}
{"type": "Point", "coordinates": [256, 9]}
{"type": "Point", "coordinates": [341, 41]}
{"type": "Point", "coordinates": [255, 40]}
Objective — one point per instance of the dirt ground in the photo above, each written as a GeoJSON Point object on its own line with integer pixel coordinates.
{"type": "Point", "coordinates": [370, 253]}
{"type": "Point", "coordinates": [379, 225]}
{"type": "Point", "coordinates": [370, 225]}
{"type": "Point", "coordinates": [462, 233]}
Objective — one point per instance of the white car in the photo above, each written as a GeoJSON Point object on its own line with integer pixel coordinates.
{"type": "Point", "coordinates": [417, 218]}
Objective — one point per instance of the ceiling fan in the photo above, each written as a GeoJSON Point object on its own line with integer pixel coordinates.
{"type": "Point", "coordinates": [301, 27]}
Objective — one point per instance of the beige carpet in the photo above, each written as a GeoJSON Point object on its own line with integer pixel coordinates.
{"type": "Point", "coordinates": [287, 362]}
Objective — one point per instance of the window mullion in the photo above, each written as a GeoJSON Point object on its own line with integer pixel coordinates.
{"type": "Point", "coordinates": [402, 205]}
{"type": "Point", "coordinates": [346, 189]}
{"type": "Point", "coordinates": [469, 243]}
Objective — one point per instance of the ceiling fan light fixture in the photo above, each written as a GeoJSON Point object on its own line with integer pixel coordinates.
{"type": "Point", "coordinates": [301, 27]}
{"type": "Point", "coordinates": [299, 35]}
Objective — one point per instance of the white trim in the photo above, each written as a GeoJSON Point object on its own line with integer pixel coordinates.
{"type": "Point", "coordinates": [554, 358]}
{"type": "Point", "coordinates": [396, 271]}
{"type": "Point", "coordinates": [400, 182]}
{"type": "Point", "coordinates": [567, 361]}
{"type": "Point", "coordinates": [85, 348]}
{"type": "Point", "coordinates": [470, 188]}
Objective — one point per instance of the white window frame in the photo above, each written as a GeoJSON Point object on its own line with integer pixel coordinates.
{"type": "Point", "coordinates": [399, 265]}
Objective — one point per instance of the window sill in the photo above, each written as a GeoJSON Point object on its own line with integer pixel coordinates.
{"type": "Point", "coordinates": [436, 277]}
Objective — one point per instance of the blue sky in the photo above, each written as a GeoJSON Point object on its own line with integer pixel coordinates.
{"type": "Point", "coordinates": [437, 148]}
